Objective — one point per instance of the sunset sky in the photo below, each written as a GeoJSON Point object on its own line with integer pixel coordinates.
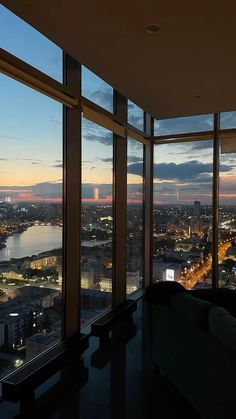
{"type": "Point", "coordinates": [31, 138]}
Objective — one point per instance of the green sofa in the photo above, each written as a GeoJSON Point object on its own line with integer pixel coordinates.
{"type": "Point", "coordinates": [194, 345]}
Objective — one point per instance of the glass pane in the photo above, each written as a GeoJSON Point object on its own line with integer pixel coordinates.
{"type": "Point", "coordinates": [135, 249]}
{"type": "Point", "coordinates": [227, 219]}
{"type": "Point", "coordinates": [135, 115]}
{"type": "Point", "coordinates": [228, 120]}
{"type": "Point", "coordinates": [182, 213]}
{"type": "Point", "coordinates": [30, 223]}
{"type": "Point", "coordinates": [26, 43]}
{"type": "Point", "coordinates": [197, 123]}
{"type": "Point", "coordinates": [97, 219]}
{"type": "Point", "coordinates": [97, 90]}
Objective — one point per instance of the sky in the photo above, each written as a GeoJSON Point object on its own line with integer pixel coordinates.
{"type": "Point", "coordinates": [31, 138]}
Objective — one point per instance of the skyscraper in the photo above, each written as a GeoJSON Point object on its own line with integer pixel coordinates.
{"type": "Point", "coordinates": [197, 209]}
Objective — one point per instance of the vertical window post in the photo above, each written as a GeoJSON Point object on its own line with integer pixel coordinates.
{"type": "Point", "coordinates": [72, 199]}
{"type": "Point", "coordinates": [120, 204]}
{"type": "Point", "coordinates": [148, 201]}
{"type": "Point", "coordinates": [215, 203]}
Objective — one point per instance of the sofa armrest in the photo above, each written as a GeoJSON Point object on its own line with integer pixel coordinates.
{"type": "Point", "coordinates": [160, 292]}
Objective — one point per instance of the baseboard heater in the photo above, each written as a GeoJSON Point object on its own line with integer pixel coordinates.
{"type": "Point", "coordinates": [27, 378]}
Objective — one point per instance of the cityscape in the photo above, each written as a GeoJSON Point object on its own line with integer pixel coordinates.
{"type": "Point", "coordinates": [182, 245]}
{"type": "Point", "coordinates": [31, 282]}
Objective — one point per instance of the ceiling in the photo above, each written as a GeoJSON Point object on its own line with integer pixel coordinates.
{"type": "Point", "coordinates": [193, 53]}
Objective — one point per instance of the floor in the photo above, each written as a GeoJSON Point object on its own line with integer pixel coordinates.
{"type": "Point", "coordinates": [114, 379]}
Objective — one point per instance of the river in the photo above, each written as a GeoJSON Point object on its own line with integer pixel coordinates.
{"type": "Point", "coordinates": [34, 240]}
{"type": "Point", "coordinates": [37, 239]}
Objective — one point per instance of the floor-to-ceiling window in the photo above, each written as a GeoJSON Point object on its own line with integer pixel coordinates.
{"type": "Point", "coordinates": [31, 201]}
{"type": "Point", "coordinates": [183, 212]}
{"type": "Point", "coordinates": [227, 203]}
{"type": "Point", "coordinates": [135, 216]}
{"type": "Point", "coordinates": [97, 219]}
{"type": "Point", "coordinates": [31, 222]}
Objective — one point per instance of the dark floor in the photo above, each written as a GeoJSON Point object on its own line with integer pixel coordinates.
{"type": "Point", "coordinates": [114, 379]}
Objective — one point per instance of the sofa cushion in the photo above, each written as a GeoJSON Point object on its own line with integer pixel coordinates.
{"type": "Point", "coordinates": [161, 291]}
{"type": "Point", "coordinates": [195, 309]}
{"type": "Point", "coordinates": [223, 326]}
{"type": "Point", "coordinates": [222, 297]}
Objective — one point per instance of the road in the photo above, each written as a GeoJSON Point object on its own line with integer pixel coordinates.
{"type": "Point", "coordinates": [201, 272]}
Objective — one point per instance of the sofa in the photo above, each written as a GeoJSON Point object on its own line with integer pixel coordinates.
{"type": "Point", "coordinates": [193, 343]}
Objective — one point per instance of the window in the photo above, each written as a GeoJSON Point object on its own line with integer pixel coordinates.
{"type": "Point", "coordinates": [228, 120]}
{"type": "Point", "coordinates": [97, 219]}
{"type": "Point", "coordinates": [188, 124]}
{"type": "Point", "coordinates": [227, 212]}
{"type": "Point", "coordinates": [182, 213]}
{"type": "Point", "coordinates": [26, 43]}
{"type": "Point", "coordinates": [31, 223]}
{"type": "Point", "coordinates": [97, 90]}
{"type": "Point", "coordinates": [135, 115]}
{"type": "Point", "coordinates": [135, 216]}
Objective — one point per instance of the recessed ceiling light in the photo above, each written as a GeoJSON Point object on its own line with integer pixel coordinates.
{"type": "Point", "coordinates": [152, 28]}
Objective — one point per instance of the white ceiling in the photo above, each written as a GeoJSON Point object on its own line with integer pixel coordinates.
{"type": "Point", "coordinates": [193, 53]}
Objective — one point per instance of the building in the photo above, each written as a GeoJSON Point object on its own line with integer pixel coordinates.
{"type": "Point", "coordinates": [197, 209]}
{"type": "Point", "coordinates": [163, 271]}
{"type": "Point", "coordinates": [40, 342]}
{"type": "Point", "coordinates": [144, 106]}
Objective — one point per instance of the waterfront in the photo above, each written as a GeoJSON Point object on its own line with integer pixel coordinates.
{"type": "Point", "coordinates": [36, 239]}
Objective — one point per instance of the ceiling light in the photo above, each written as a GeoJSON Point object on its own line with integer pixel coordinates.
{"type": "Point", "coordinates": [152, 28]}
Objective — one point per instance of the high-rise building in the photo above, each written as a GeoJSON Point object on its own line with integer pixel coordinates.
{"type": "Point", "coordinates": [197, 209]}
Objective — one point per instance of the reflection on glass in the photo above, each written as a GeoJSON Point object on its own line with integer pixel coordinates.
{"type": "Point", "coordinates": [26, 43]}
{"type": "Point", "coordinates": [227, 215]}
{"type": "Point", "coordinates": [197, 123]}
{"type": "Point", "coordinates": [182, 215]}
{"type": "Point", "coordinates": [228, 120]}
{"type": "Point", "coordinates": [30, 223]}
{"type": "Point", "coordinates": [97, 90]}
{"type": "Point", "coordinates": [97, 219]}
{"type": "Point", "coordinates": [135, 115]}
{"type": "Point", "coordinates": [135, 250]}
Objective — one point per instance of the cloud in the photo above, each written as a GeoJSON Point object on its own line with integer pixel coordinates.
{"type": "Point", "coordinates": [58, 165]}
{"type": "Point", "coordinates": [135, 169]}
{"type": "Point", "coordinates": [228, 120]}
{"type": "Point", "coordinates": [107, 160]}
{"type": "Point", "coordinates": [185, 171]}
{"type": "Point", "coordinates": [47, 189]}
{"type": "Point", "coordinates": [103, 97]}
{"type": "Point", "coordinates": [44, 190]}
{"type": "Point", "coordinates": [106, 139]}
{"type": "Point", "coordinates": [202, 145]}
{"type": "Point", "coordinates": [135, 115]}
{"type": "Point", "coordinates": [190, 124]}
{"type": "Point", "coordinates": [134, 159]}
{"type": "Point", "coordinates": [190, 171]}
